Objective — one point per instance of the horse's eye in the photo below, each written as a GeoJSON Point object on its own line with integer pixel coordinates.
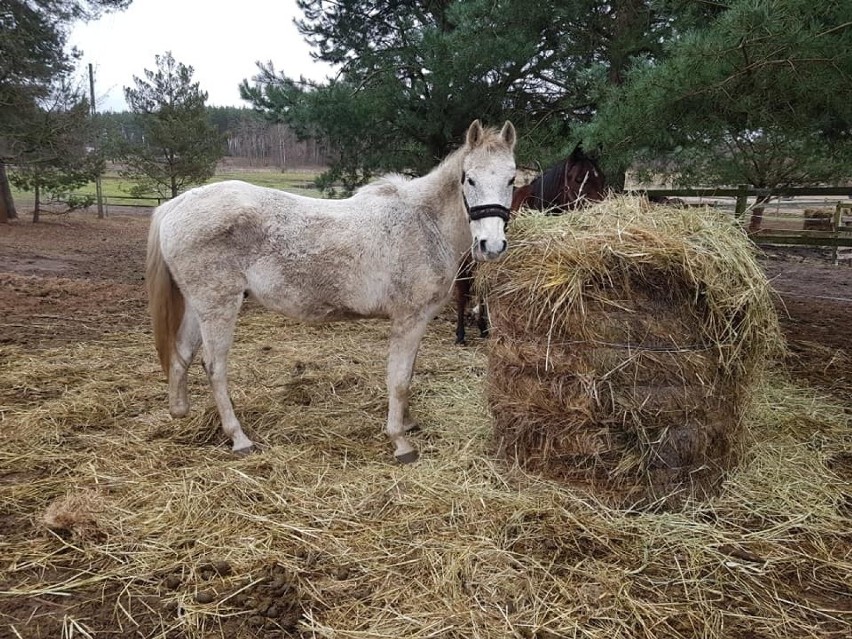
{"type": "Point", "coordinates": [512, 182]}
{"type": "Point", "coordinates": [471, 182]}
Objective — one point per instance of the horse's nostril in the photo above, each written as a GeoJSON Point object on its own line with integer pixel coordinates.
{"type": "Point", "coordinates": [504, 246]}
{"type": "Point", "coordinates": [482, 245]}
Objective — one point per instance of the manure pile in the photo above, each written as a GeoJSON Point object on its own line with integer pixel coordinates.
{"type": "Point", "coordinates": [627, 341]}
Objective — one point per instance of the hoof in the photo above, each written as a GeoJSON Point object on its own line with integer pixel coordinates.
{"type": "Point", "coordinates": [245, 452]}
{"type": "Point", "coordinates": [408, 458]}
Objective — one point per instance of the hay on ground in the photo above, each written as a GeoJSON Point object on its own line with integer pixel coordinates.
{"type": "Point", "coordinates": [322, 535]}
{"type": "Point", "coordinates": [76, 514]}
{"type": "Point", "coordinates": [627, 340]}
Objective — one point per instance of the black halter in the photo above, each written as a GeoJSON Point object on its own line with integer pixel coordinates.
{"type": "Point", "coordinates": [487, 210]}
{"type": "Point", "coordinates": [481, 211]}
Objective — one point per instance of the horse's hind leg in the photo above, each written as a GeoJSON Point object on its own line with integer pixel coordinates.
{"type": "Point", "coordinates": [217, 331]}
{"type": "Point", "coordinates": [186, 346]}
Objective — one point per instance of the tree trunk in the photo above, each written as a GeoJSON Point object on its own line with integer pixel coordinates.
{"type": "Point", "coordinates": [7, 203]}
{"type": "Point", "coordinates": [757, 213]}
{"type": "Point", "coordinates": [174, 186]}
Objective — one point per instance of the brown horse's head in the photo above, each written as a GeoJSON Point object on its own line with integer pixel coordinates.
{"type": "Point", "coordinates": [570, 184]}
{"type": "Point", "coordinates": [583, 181]}
{"type": "Point", "coordinates": [519, 196]}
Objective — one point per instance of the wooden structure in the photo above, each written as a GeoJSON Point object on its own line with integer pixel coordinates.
{"type": "Point", "coordinates": [838, 235]}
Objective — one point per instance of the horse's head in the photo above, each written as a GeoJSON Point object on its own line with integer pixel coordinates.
{"type": "Point", "coordinates": [488, 174]}
{"type": "Point", "coordinates": [583, 181]}
{"type": "Point", "coordinates": [520, 195]}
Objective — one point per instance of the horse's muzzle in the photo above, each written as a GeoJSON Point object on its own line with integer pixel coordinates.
{"type": "Point", "coordinates": [488, 250]}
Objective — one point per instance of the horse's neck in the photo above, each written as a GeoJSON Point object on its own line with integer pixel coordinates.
{"type": "Point", "coordinates": [442, 192]}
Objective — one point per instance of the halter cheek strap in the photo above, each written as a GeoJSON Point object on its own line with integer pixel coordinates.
{"type": "Point", "coordinates": [484, 210]}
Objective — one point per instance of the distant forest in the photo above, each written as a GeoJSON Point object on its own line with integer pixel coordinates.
{"type": "Point", "coordinates": [247, 135]}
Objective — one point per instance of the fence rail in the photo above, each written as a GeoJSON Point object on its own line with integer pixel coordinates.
{"type": "Point", "coordinates": [747, 191]}
{"type": "Point", "coordinates": [140, 202]}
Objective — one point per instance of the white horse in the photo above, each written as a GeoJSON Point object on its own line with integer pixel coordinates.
{"type": "Point", "coordinates": [392, 250]}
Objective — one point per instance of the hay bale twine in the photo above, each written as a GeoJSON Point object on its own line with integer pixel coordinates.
{"type": "Point", "coordinates": [626, 341]}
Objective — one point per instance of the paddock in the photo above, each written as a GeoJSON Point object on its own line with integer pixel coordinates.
{"type": "Point", "coordinates": [119, 521]}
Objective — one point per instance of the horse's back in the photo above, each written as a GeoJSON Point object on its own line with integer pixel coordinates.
{"type": "Point", "coordinates": [235, 217]}
{"type": "Point", "coordinates": [308, 258]}
{"type": "Point", "coordinates": [215, 208]}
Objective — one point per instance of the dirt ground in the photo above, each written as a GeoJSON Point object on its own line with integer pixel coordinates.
{"type": "Point", "coordinates": [815, 307]}
{"type": "Point", "coordinates": [75, 278]}
{"type": "Point", "coordinates": [71, 278]}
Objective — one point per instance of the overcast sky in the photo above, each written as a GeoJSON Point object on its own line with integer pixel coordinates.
{"type": "Point", "coordinates": [221, 41]}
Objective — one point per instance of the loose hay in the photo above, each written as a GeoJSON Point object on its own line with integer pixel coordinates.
{"type": "Point", "coordinates": [76, 514]}
{"type": "Point", "coordinates": [627, 341]}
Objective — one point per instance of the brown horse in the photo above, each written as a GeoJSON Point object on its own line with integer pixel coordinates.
{"type": "Point", "coordinates": [570, 184]}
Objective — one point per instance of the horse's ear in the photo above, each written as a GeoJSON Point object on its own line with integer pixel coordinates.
{"type": "Point", "coordinates": [474, 133]}
{"type": "Point", "coordinates": [508, 134]}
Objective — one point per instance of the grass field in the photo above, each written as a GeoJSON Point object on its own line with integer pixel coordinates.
{"type": "Point", "coordinates": [116, 190]}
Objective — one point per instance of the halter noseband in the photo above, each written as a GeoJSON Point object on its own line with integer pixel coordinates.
{"type": "Point", "coordinates": [487, 210]}
{"type": "Point", "coordinates": [484, 210]}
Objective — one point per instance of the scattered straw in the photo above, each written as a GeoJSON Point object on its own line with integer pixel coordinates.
{"type": "Point", "coordinates": [324, 535]}
{"type": "Point", "coordinates": [76, 514]}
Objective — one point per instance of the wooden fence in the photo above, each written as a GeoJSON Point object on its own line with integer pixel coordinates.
{"type": "Point", "coordinates": [129, 200]}
{"type": "Point", "coordinates": [837, 231]}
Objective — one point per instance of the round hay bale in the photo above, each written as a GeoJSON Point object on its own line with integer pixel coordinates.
{"type": "Point", "coordinates": [626, 341]}
{"type": "Point", "coordinates": [817, 219]}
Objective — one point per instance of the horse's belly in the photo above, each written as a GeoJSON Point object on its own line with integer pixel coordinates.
{"type": "Point", "coordinates": [311, 308]}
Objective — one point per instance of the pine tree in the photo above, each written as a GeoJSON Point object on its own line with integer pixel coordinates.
{"type": "Point", "coordinates": [754, 95]}
{"type": "Point", "coordinates": [179, 146]}
{"type": "Point", "coordinates": [54, 154]}
{"type": "Point", "coordinates": [414, 74]}
{"type": "Point", "coordinates": [33, 58]}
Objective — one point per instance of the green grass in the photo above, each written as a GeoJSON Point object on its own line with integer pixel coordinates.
{"type": "Point", "coordinates": [301, 182]}
{"type": "Point", "coordinates": [116, 190]}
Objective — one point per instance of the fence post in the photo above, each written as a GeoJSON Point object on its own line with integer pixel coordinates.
{"type": "Point", "coordinates": [836, 222]}
{"type": "Point", "coordinates": [742, 201]}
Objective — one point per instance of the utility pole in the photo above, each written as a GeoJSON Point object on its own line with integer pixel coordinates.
{"type": "Point", "coordinates": [98, 191]}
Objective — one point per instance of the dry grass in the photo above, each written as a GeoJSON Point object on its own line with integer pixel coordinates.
{"type": "Point", "coordinates": [323, 535]}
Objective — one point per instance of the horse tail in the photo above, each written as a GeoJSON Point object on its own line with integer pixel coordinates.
{"type": "Point", "coordinates": [165, 301]}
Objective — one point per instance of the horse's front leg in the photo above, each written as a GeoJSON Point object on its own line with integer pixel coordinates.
{"type": "Point", "coordinates": [404, 342]}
